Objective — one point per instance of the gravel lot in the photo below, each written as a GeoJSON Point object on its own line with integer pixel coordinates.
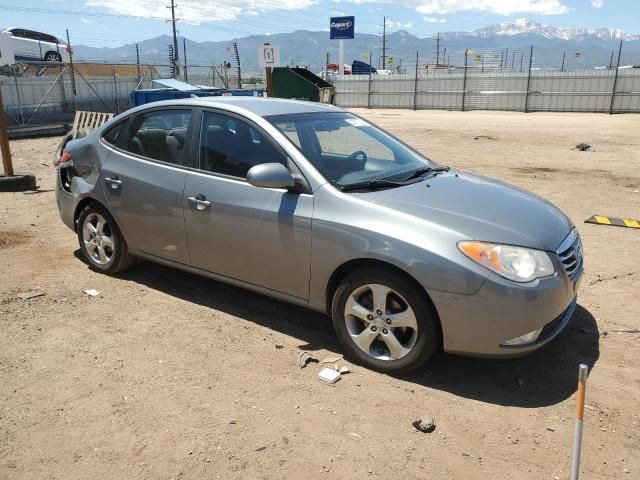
{"type": "Point", "coordinates": [167, 375]}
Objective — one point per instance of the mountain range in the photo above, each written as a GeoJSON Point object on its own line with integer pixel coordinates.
{"type": "Point", "coordinates": [577, 47]}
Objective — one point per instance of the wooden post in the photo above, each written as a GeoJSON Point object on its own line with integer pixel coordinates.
{"type": "Point", "coordinates": [4, 144]}
{"type": "Point", "coordinates": [269, 82]}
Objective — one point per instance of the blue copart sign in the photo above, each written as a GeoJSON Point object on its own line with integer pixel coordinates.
{"type": "Point", "coordinates": [341, 28]}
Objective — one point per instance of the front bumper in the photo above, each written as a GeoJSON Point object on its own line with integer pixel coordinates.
{"type": "Point", "coordinates": [480, 324]}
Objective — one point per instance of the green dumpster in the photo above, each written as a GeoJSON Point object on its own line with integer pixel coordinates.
{"type": "Point", "coordinates": [301, 84]}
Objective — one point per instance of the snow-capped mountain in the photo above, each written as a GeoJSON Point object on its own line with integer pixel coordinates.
{"type": "Point", "coordinates": [524, 26]}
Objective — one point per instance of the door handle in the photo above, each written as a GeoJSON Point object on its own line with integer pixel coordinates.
{"type": "Point", "coordinates": [200, 201]}
{"type": "Point", "coordinates": [114, 182]}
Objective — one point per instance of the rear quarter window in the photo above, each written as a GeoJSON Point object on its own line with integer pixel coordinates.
{"type": "Point", "coordinates": [112, 134]}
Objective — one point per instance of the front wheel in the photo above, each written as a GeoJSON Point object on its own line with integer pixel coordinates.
{"type": "Point", "coordinates": [101, 242]}
{"type": "Point", "coordinates": [384, 321]}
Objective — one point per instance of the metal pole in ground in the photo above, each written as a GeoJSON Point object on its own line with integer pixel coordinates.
{"type": "Point", "coordinates": [526, 98]}
{"type": "Point", "coordinates": [464, 79]}
{"type": "Point", "coordinates": [615, 80]}
{"type": "Point", "coordinates": [72, 72]}
{"type": "Point", "coordinates": [583, 372]}
{"type": "Point", "coordinates": [369, 86]}
{"type": "Point", "coordinates": [415, 82]}
{"type": "Point", "coordinates": [115, 89]}
{"type": "Point", "coordinates": [18, 96]}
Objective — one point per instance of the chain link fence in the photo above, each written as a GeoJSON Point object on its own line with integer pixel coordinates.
{"type": "Point", "coordinates": [525, 79]}
{"type": "Point", "coordinates": [40, 93]}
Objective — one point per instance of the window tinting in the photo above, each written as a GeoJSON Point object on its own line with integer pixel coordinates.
{"type": "Point", "coordinates": [231, 147]}
{"type": "Point", "coordinates": [112, 134]}
{"type": "Point", "coordinates": [48, 38]}
{"type": "Point", "coordinates": [159, 135]}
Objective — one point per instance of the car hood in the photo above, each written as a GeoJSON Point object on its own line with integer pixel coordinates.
{"type": "Point", "coordinates": [480, 208]}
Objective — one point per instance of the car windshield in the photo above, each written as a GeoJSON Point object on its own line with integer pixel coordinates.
{"type": "Point", "coordinates": [348, 150]}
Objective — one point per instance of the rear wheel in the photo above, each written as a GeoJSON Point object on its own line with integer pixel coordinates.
{"type": "Point", "coordinates": [384, 321]}
{"type": "Point", "coordinates": [52, 57]}
{"type": "Point", "coordinates": [101, 242]}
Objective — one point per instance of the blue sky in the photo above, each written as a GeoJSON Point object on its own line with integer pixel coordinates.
{"type": "Point", "coordinates": [115, 22]}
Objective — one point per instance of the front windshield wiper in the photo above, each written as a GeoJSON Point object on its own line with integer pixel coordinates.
{"type": "Point", "coordinates": [422, 170]}
{"type": "Point", "coordinates": [371, 185]}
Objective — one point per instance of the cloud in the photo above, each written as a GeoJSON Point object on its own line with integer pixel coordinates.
{"type": "Point", "coordinates": [198, 11]}
{"type": "Point", "coordinates": [392, 24]}
{"type": "Point", "coordinates": [85, 21]}
{"type": "Point", "coordinates": [500, 7]}
{"type": "Point", "coordinates": [597, 3]}
{"type": "Point", "coordinates": [435, 20]}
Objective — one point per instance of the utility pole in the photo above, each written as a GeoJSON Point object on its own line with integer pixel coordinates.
{"type": "Point", "coordinates": [176, 68]}
{"type": "Point", "coordinates": [444, 55]}
{"type": "Point", "coordinates": [438, 49]}
{"type": "Point", "coordinates": [184, 56]}
{"type": "Point", "coordinates": [564, 54]}
{"type": "Point", "coordinates": [138, 61]}
{"type": "Point", "coordinates": [384, 43]}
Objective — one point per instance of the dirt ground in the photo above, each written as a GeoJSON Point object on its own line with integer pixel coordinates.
{"type": "Point", "coordinates": [167, 375]}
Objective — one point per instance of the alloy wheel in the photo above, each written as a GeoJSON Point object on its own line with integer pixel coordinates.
{"type": "Point", "coordinates": [380, 322]}
{"type": "Point", "coordinates": [98, 239]}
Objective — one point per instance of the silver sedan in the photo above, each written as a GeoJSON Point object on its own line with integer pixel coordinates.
{"type": "Point", "coordinates": [316, 206]}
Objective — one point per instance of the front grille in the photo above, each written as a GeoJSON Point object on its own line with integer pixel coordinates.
{"type": "Point", "coordinates": [570, 254]}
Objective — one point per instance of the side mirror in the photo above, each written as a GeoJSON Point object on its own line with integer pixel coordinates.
{"type": "Point", "coordinates": [270, 175]}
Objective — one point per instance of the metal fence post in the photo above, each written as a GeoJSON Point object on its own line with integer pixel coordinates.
{"type": "Point", "coordinates": [415, 83]}
{"type": "Point", "coordinates": [369, 87]}
{"type": "Point", "coordinates": [63, 94]}
{"type": "Point", "coordinates": [115, 89]}
{"type": "Point", "coordinates": [73, 73]}
{"type": "Point", "coordinates": [15, 79]}
{"type": "Point", "coordinates": [464, 79]}
{"type": "Point", "coordinates": [526, 98]}
{"type": "Point", "coordinates": [615, 80]}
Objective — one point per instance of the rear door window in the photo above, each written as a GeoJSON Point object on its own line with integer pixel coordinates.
{"type": "Point", "coordinates": [159, 135]}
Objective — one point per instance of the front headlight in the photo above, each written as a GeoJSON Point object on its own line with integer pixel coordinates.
{"type": "Point", "coordinates": [515, 263]}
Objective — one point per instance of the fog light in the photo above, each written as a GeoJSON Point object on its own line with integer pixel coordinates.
{"type": "Point", "coordinates": [524, 339]}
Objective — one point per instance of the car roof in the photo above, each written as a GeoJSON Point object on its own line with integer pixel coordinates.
{"type": "Point", "coordinates": [257, 105]}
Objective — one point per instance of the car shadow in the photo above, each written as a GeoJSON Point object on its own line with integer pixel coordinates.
{"type": "Point", "coordinates": [543, 378]}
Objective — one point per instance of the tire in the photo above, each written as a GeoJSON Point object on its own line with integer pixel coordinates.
{"type": "Point", "coordinates": [107, 257]}
{"type": "Point", "coordinates": [52, 57]}
{"type": "Point", "coordinates": [402, 299]}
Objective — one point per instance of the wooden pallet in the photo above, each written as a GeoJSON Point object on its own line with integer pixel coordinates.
{"type": "Point", "coordinates": [90, 120]}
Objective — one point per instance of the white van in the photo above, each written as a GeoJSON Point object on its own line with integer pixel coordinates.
{"type": "Point", "coordinates": [29, 45]}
